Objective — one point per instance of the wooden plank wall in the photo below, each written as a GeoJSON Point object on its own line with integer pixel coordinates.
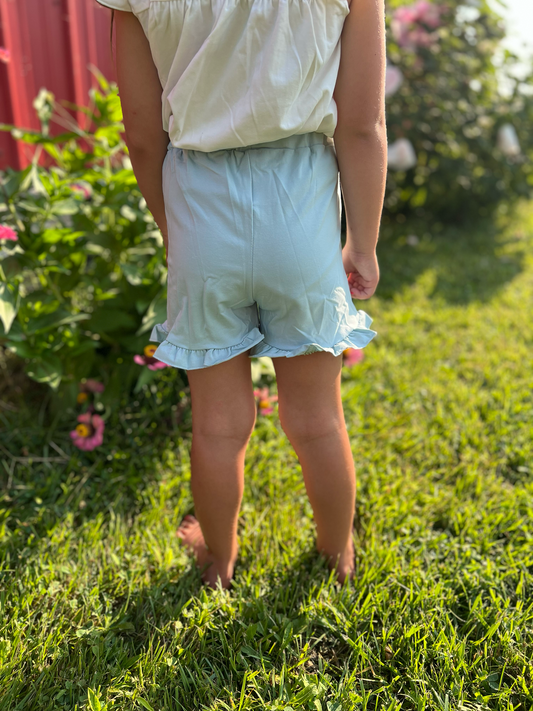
{"type": "Point", "coordinates": [52, 44]}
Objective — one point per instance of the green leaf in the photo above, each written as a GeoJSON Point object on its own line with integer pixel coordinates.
{"type": "Point", "coordinates": [53, 320]}
{"type": "Point", "coordinates": [128, 212]}
{"type": "Point", "coordinates": [69, 206]}
{"type": "Point", "coordinates": [133, 273]}
{"type": "Point", "coordinates": [16, 334]}
{"type": "Point", "coordinates": [12, 184]}
{"type": "Point", "coordinates": [22, 349]}
{"type": "Point", "coordinates": [249, 652]}
{"type": "Point", "coordinates": [8, 306]}
{"type": "Point", "coordinates": [61, 235]}
{"type": "Point", "coordinates": [306, 694]}
{"type": "Point", "coordinates": [145, 378]}
{"type": "Point", "coordinates": [96, 249]}
{"type": "Point", "coordinates": [83, 347]}
{"type": "Point", "coordinates": [107, 320]}
{"type": "Point", "coordinates": [156, 313]}
{"type": "Point", "coordinates": [36, 182]}
{"type": "Point", "coordinates": [30, 206]}
{"type": "Point", "coordinates": [48, 369]}
{"type": "Point", "coordinates": [145, 704]}
{"type": "Point", "coordinates": [94, 702]}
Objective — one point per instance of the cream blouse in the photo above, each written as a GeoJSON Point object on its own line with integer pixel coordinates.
{"type": "Point", "coordinates": [239, 72]}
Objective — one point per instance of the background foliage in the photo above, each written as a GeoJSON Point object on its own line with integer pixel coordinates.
{"type": "Point", "coordinates": [82, 287]}
{"type": "Point", "coordinates": [450, 108]}
{"type": "Point", "coordinates": [87, 277]}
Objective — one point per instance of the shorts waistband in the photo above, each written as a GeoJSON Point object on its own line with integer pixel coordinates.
{"type": "Point", "coordinates": [295, 141]}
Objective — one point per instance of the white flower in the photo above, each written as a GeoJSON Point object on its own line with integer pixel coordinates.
{"type": "Point", "coordinates": [508, 140]}
{"type": "Point", "coordinates": [401, 155]}
{"type": "Point", "coordinates": [393, 80]}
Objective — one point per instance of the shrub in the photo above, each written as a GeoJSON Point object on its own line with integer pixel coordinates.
{"type": "Point", "coordinates": [84, 283]}
{"type": "Point", "coordinates": [450, 109]}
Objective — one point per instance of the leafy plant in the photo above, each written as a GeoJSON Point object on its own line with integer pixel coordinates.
{"type": "Point", "coordinates": [450, 108]}
{"type": "Point", "coordinates": [84, 283]}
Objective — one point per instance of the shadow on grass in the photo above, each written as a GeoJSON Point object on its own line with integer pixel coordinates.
{"type": "Point", "coordinates": [470, 263]}
{"type": "Point", "coordinates": [45, 480]}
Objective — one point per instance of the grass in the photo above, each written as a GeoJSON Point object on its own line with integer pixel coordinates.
{"type": "Point", "coordinates": [102, 609]}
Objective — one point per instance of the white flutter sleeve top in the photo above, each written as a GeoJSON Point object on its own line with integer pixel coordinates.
{"type": "Point", "coordinates": [239, 72]}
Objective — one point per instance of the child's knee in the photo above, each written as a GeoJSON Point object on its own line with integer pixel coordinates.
{"type": "Point", "coordinates": [235, 423]}
{"type": "Point", "coordinates": [303, 425]}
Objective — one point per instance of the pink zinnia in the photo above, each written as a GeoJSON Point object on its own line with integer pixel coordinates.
{"type": "Point", "coordinates": [89, 386]}
{"type": "Point", "coordinates": [89, 433]}
{"type": "Point", "coordinates": [5, 55]}
{"type": "Point", "coordinates": [149, 360]}
{"type": "Point", "coordinates": [351, 356]}
{"type": "Point", "coordinates": [93, 386]}
{"type": "Point", "coordinates": [265, 400]}
{"type": "Point", "coordinates": [7, 233]}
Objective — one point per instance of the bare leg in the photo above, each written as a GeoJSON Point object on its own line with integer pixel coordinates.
{"type": "Point", "coordinates": [223, 414]}
{"type": "Point", "coordinates": [312, 416]}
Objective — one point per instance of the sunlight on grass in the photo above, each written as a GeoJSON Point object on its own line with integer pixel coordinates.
{"type": "Point", "coordinates": [103, 609]}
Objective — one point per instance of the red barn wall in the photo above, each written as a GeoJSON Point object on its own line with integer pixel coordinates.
{"type": "Point", "coordinates": [52, 44]}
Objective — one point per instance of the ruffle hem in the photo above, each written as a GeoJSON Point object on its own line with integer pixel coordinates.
{"type": "Point", "coordinates": [187, 359]}
{"type": "Point", "coordinates": [359, 337]}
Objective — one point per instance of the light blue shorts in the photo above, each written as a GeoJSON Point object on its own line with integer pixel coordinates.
{"type": "Point", "coordinates": [254, 256]}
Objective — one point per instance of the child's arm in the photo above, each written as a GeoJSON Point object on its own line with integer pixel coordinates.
{"type": "Point", "coordinates": [140, 95]}
{"type": "Point", "coordinates": [360, 136]}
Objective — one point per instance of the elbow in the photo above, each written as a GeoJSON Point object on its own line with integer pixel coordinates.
{"type": "Point", "coordinates": [361, 128]}
{"type": "Point", "coordinates": [135, 140]}
{"type": "Point", "coordinates": [142, 138]}
{"type": "Point", "coordinates": [353, 122]}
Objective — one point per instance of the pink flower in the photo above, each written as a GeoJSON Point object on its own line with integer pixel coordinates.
{"type": "Point", "coordinates": [351, 356]}
{"type": "Point", "coordinates": [405, 20]}
{"type": "Point", "coordinates": [7, 233]}
{"type": "Point", "coordinates": [428, 13]}
{"type": "Point", "coordinates": [82, 190]}
{"type": "Point", "coordinates": [89, 386]}
{"type": "Point", "coordinates": [265, 400]}
{"type": "Point", "coordinates": [421, 38]}
{"type": "Point", "coordinates": [93, 386]}
{"type": "Point", "coordinates": [405, 14]}
{"type": "Point", "coordinates": [5, 55]}
{"type": "Point", "coordinates": [149, 360]}
{"type": "Point", "coordinates": [89, 433]}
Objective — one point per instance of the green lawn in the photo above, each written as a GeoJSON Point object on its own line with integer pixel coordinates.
{"type": "Point", "coordinates": [101, 608]}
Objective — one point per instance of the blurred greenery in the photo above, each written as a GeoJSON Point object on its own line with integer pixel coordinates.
{"type": "Point", "coordinates": [450, 108]}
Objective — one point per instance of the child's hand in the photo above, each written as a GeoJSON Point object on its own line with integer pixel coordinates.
{"type": "Point", "coordinates": [362, 271]}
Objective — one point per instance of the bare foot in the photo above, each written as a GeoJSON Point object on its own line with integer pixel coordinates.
{"type": "Point", "coordinates": [191, 534]}
{"type": "Point", "coordinates": [345, 563]}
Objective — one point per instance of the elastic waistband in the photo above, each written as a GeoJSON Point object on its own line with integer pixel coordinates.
{"type": "Point", "coordinates": [295, 141]}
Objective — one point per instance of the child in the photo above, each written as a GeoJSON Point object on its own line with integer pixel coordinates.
{"type": "Point", "coordinates": [239, 116]}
